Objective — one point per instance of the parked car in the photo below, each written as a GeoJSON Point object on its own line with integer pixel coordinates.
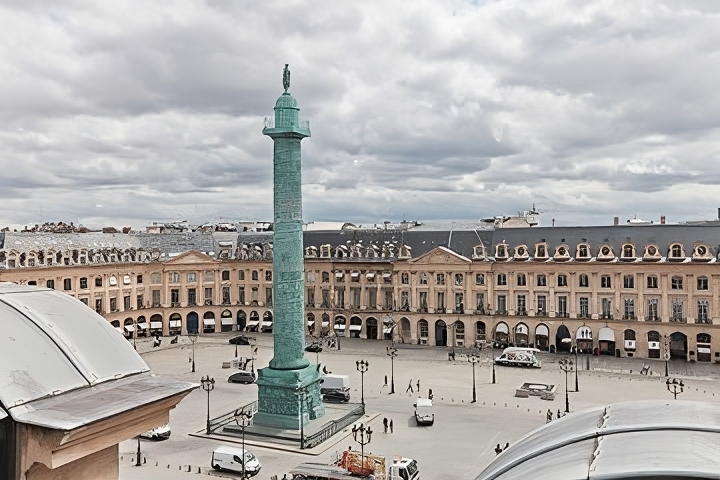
{"type": "Point", "coordinates": [243, 376]}
{"type": "Point", "coordinates": [232, 458]}
{"type": "Point", "coordinates": [314, 348]}
{"type": "Point", "coordinates": [240, 340]}
{"type": "Point", "coordinates": [424, 412]}
{"type": "Point", "coordinates": [158, 433]}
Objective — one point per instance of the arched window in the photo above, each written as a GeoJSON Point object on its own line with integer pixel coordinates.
{"type": "Point", "coordinates": [628, 251]}
{"type": "Point", "coordinates": [501, 250]}
{"type": "Point", "coordinates": [325, 277]}
{"type": "Point", "coordinates": [676, 251]}
{"type": "Point", "coordinates": [423, 329]}
{"type": "Point", "coordinates": [583, 251]}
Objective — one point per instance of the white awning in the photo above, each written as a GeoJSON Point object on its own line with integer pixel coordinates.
{"type": "Point", "coordinates": [175, 323]}
{"type": "Point", "coordinates": [266, 324]}
{"type": "Point", "coordinates": [227, 321]}
{"type": "Point", "coordinates": [542, 330]}
{"type": "Point", "coordinates": [208, 321]}
{"type": "Point", "coordinates": [606, 335]}
{"type": "Point", "coordinates": [501, 328]}
{"type": "Point", "coordinates": [339, 327]}
{"type": "Point", "coordinates": [704, 350]}
{"type": "Point", "coordinates": [325, 324]}
{"type": "Point", "coordinates": [653, 345]}
{"type": "Point", "coordinates": [370, 275]}
{"type": "Point", "coordinates": [339, 274]}
{"type": "Point", "coordinates": [629, 344]}
{"type": "Point", "coordinates": [584, 333]}
{"type": "Point", "coordinates": [252, 323]}
{"type": "Point", "coordinates": [155, 324]}
{"type": "Point", "coordinates": [386, 275]}
{"type": "Point", "coordinates": [521, 329]}
{"type": "Point", "coordinates": [311, 323]}
{"type": "Point", "coordinates": [387, 329]}
{"type": "Point", "coordinates": [143, 326]}
{"type": "Point", "coordinates": [355, 274]}
{"type": "Point", "coordinates": [119, 329]}
{"type": "Point", "coordinates": [130, 328]}
{"type": "Point", "coordinates": [355, 328]}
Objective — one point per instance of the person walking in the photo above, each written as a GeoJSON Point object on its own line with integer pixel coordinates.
{"type": "Point", "coordinates": [391, 426]}
{"type": "Point", "coordinates": [559, 414]}
{"type": "Point", "coordinates": [385, 424]}
{"type": "Point", "coordinates": [418, 385]}
{"type": "Point", "coordinates": [409, 388]}
{"type": "Point", "coordinates": [430, 394]}
{"type": "Point", "coordinates": [498, 449]}
{"type": "Point", "coordinates": [506, 446]}
{"type": "Point", "coordinates": [549, 416]}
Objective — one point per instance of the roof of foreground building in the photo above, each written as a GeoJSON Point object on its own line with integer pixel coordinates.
{"type": "Point", "coordinates": [645, 439]}
{"type": "Point", "coordinates": [64, 366]}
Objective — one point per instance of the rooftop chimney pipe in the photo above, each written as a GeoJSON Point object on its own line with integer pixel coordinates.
{"type": "Point", "coordinates": [662, 220]}
{"type": "Point", "coordinates": [616, 221]}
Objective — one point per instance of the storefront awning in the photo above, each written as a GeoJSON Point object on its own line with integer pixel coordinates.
{"type": "Point", "coordinates": [339, 274]}
{"type": "Point", "coordinates": [325, 324]}
{"type": "Point", "coordinates": [387, 329]}
{"type": "Point", "coordinates": [542, 330]}
{"type": "Point", "coordinates": [339, 327]}
{"type": "Point", "coordinates": [521, 329]}
{"type": "Point", "coordinates": [130, 328]}
{"type": "Point", "coordinates": [386, 275]}
{"type": "Point", "coordinates": [370, 275]}
{"type": "Point", "coordinates": [143, 326]}
{"type": "Point", "coordinates": [208, 321]}
{"type": "Point", "coordinates": [355, 328]}
{"type": "Point", "coordinates": [266, 324]}
{"type": "Point", "coordinates": [119, 329]}
{"type": "Point", "coordinates": [252, 323]}
{"type": "Point", "coordinates": [501, 328]}
{"type": "Point", "coordinates": [606, 335]}
{"type": "Point", "coordinates": [155, 324]}
{"type": "Point", "coordinates": [175, 323]}
{"type": "Point", "coordinates": [355, 274]}
{"type": "Point", "coordinates": [227, 321]}
{"type": "Point", "coordinates": [311, 323]}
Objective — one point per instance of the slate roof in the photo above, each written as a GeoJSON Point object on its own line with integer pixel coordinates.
{"type": "Point", "coordinates": [640, 235]}
{"type": "Point", "coordinates": [644, 439]}
{"type": "Point", "coordinates": [63, 241]}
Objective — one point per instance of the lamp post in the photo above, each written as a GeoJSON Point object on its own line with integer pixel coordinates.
{"type": "Point", "coordinates": [473, 358]}
{"type": "Point", "coordinates": [243, 419]}
{"type": "Point", "coordinates": [137, 462]}
{"type": "Point", "coordinates": [667, 357]}
{"type": "Point", "coordinates": [674, 386]}
{"type": "Point", "coordinates": [362, 367]}
{"type": "Point", "coordinates": [566, 365]}
{"type": "Point", "coordinates": [392, 353]}
{"type": "Point", "coordinates": [577, 367]}
{"type": "Point", "coordinates": [193, 338]}
{"type": "Point", "coordinates": [492, 359]}
{"type": "Point", "coordinates": [362, 435]}
{"type": "Point", "coordinates": [208, 384]}
{"type": "Point", "coordinates": [301, 392]}
{"type": "Point", "coordinates": [253, 351]}
{"type": "Point", "coordinates": [135, 334]}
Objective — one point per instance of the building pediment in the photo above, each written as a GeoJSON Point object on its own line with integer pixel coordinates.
{"type": "Point", "coordinates": [440, 256]}
{"type": "Point", "coordinates": [191, 257]}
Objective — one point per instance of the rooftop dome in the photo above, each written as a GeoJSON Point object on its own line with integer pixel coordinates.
{"type": "Point", "coordinates": [286, 101]}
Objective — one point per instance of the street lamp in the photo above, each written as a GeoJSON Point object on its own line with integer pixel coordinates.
{"type": "Point", "coordinates": [301, 393]}
{"type": "Point", "coordinates": [677, 386]}
{"type": "Point", "coordinates": [392, 353]}
{"type": "Point", "coordinates": [362, 435]}
{"type": "Point", "coordinates": [667, 357]}
{"type": "Point", "coordinates": [577, 367]}
{"type": "Point", "coordinates": [137, 462]}
{"type": "Point", "coordinates": [243, 419]}
{"type": "Point", "coordinates": [473, 358]}
{"type": "Point", "coordinates": [253, 351]}
{"type": "Point", "coordinates": [492, 359]}
{"type": "Point", "coordinates": [362, 367]}
{"type": "Point", "coordinates": [208, 384]}
{"type": "Point", "coordinates": [135, 334]}
{"type": "Point", "coordinates": [193, 338]}
{"type": "Point", "coordinates": [566, 365]}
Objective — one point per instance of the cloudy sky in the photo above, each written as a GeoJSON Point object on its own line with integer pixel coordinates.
{"type": "Point", "coordinates": [122, 113]}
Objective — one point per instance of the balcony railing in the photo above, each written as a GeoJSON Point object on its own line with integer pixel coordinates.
{"type": "Point", "coordinates": [629, 317]}
{"type": "Point", "coordinates": [606, 316]}
{"type": "Point", "coordinates": [652, 318]}
{"type": "Point", "coordinates": [706, 321]}
{"type": "Point", "coordinates": [678, 320]}
{"type": "Point", "coordinates": [562, 315]}
{"type": "Point", "coordinates": [175, 304]}
{"type": "Point", "coordinates": [522, 312]}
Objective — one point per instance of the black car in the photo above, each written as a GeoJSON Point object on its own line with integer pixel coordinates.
{"type": "Point", "coordinates": [240, 340]}
{"type": "Point", "coordinates": [242, 377]}
{"type": "Point", "coordinates": [314, 348]}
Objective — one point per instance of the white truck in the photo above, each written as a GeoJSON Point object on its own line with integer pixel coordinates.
{"type": "Point", "coordinates": [335, 388]}
{"type": "Point", "coordinates": [353, 466]}
{"type": "Point", "coordinates": [519, 357]}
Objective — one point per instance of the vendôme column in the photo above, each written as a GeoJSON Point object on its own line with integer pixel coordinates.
{"type": "Point", "coordinates": [289, 389]}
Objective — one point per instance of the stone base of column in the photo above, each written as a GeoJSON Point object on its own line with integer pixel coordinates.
{"type": "Point", "coordinates": [278, 400]}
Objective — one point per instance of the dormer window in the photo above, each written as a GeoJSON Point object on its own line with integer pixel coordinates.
{"type": "Point", "coordinates": [583, 252]}
{"type": "Point", "coordinates": [676, 252]}
{"type": "Point", "coordinates": [521, 251]}
{"type": "Point", "coordinates": [311, 252]}
{"type": "Point", "coordinates": [501, 250]}
{"type": "Point", "coordinates": [628, 252]}
{"type": "Point", "coordinates": [325, 251]}
{"type": "Point", "coordinates": [478, 252]}
{"type": "Point", "coordinates": [371, 252]}
{"type": "Point", "coordinates": [341, 251]}
{"type": "Point", "coordinates": [404, 252]}
{"type": "Point", "coordinates": [606, 253]}
{"type": "Point", "coordinates": [701, 252]}
{"type": "Point", "coordinates": [541, 250]}
{"type": "Point", "coordinates": [562, 253]}
{"type": "Point", "coordinates": [652, 253]}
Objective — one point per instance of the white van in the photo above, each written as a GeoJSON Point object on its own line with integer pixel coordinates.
{"type": "Point", "coordinates": [335, 388]}
{"type": "Point", "coordinates": [230, 459]}
{"type": "Point", "coordinates": [519, 357]}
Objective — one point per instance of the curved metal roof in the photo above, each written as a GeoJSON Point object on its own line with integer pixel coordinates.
{"type": "Point", "coordinates": [51, 343]}
{"type": "Point", "coordinates": [646, 439]}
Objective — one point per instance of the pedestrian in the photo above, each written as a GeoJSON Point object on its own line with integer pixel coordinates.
{"type": "Point", "coordinates": [409, 387]}
{"type": "Point", "coordinates": [559, 414]}
{"type": "Point", "coordinates": [385, 381]}
{"type": "Point", "coordinates": [385, 424]}
{"type": "Point", "coordinates": [418, 385]}
{"type": "Point", "coordinates": [391, 426]}
{"type": "Point", "coordinates": [549, 416]}
{"type": "Point", "coordinates": [506, 446]}
{"type": "Point", "coordinates": [498, 449]}
{"type": "Point", "coordinates": [430, 394]}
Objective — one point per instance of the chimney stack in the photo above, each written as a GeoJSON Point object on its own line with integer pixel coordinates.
{"type": "Point", "coordinates": [718, 213]}
{"type": "Point", "coordinates": [662, 219]}
{"type": "Point", "coordinates": [616, 221]}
